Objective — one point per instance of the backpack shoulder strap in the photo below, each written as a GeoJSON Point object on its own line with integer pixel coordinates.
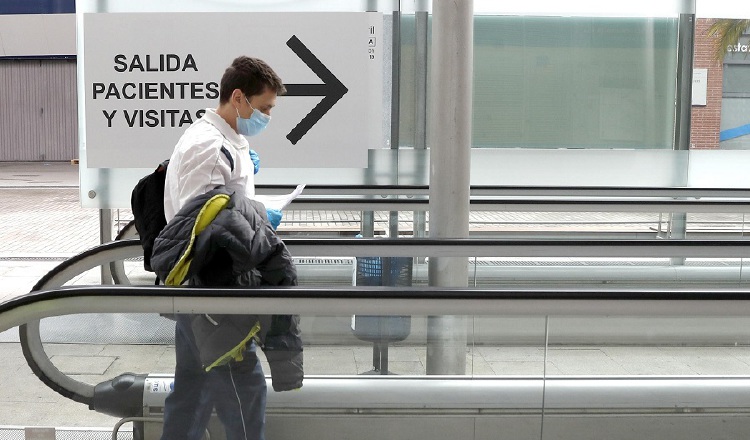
{"type": "Point", "coordinates": [229, 157]}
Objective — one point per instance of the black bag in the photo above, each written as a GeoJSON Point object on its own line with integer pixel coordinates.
{"type": "Point", "coordinates": [147, 203]}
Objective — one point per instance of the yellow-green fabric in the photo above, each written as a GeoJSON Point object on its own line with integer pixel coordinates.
{"type": "Point", "coordinates": [205, 216]}
{"type": "Point", "coordinates": [236, 352]}
{"type": "Point", "coordinates": [239, 232]}
{"type": "Point", "coordinates": [177, 275]}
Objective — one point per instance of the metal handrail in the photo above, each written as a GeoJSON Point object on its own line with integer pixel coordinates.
{"type": "Point", "coordinates": [477, 247]}
{"type": "Point", "coordinates": [526, 204]}
{"type": "Point", "coordinates": [378, 301]}
{"type": "Point", "coordinates": [576, 301]}
{"type": "Point", "coordinates": [568, 300]}
{"type": "Point", "coordinates": [473, 247]}
{"type": "Point", "coordinates": [523, 198]}
{"type": "Point", "coordinates": [514, 190]}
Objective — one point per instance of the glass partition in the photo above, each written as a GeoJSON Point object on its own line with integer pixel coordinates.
{"type": "Point", "coordinates": [563, 82]}
{"type": "Point", "coordinates": [547, 371]}
{"type": "Point", "coordinates": [653, 346]}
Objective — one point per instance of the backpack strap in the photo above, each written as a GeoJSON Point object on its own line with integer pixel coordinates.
{"type": "Point", "coordinates": [229, 157]}
{"type": "Point", "coordinates": [163, 166]}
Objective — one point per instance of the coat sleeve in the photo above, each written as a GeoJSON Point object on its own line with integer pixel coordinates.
{"type": "Point", "coordinates": [266, 252]}
{"type": "Point", "coordinates": [278, 269]}
{"type": "Point", "coordinates": [283, 350]}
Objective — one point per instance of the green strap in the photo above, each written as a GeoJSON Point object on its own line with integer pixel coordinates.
{"type": "Point", "coordinates": [236, 352]}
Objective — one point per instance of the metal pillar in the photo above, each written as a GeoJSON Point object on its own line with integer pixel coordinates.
{"type": "Point", "coordinates": [105, 219]}
{"type": "Point", "coordinates": [105, 215]}
{"type": "Point", "coordinates": [450, 144]}
{"type": "Point", "coordinates": [686, 35]}
{"type": "Point", "coordinates": [420, 87]}
{"type": "Point", "coordinates": [105, 236]}
{"type": "Point", "coordinates": [367, 229]}
{"type": "Point", "coordinates": [420, 102]}
{"type": "Point", "coordinates": [395, 109]}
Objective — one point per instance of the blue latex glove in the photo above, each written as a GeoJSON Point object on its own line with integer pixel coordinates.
{"type": "Point", "coordinates": [274, 217]}
{"type": "Point", "coordinates": [256, 160]}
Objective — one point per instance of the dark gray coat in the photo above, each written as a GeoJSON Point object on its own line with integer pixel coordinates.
{"type": "Point", "coordinates": [238, 248]}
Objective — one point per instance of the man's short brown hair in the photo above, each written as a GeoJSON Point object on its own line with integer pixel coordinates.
{"type": "Point", "coordinates": [251, 75]}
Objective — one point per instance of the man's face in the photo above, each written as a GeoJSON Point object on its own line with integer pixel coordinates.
{"type": "Point", "coordinates": [264, 102]}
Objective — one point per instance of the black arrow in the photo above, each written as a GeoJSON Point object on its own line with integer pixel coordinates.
{"type": "Point", "coordinates": [332, 90]}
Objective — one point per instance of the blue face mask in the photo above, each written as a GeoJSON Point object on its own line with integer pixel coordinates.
{"type": "Point", "coordinates": [253, 125]}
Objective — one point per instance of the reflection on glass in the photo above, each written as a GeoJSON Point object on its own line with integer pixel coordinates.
{"type": "Point", "coordinates": [363, 345]}
{"type": "Point", "coordinates": [565, 82]}
{"type": "Point", "coordinates": [508, 346]}
{"type": "Point", "coordinates": [650, 346]}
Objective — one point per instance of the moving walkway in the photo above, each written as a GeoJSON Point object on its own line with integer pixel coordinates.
{"type": "Point", "coordinates": [542, 402]}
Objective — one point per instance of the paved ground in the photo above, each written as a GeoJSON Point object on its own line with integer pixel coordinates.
{"type": "Point", "coordinates": [41, 224]}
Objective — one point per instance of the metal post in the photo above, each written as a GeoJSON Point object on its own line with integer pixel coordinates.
{"type": "Point", "coordinates": [395, 79]}
{"type": "Point", "coordinates": [105, 219]}
{"type": "Point", "coordinates": [684, 108]}
{"type": "Point", "coordinates": [420, 103]}
{"type": "Point", "coordinates": [686, 35]}
{"type": "Point", "coordinates": [395, 109]}
{"type": "Point", "coordinates": [367, 228]}
{"type": "Point", "coordinates": [420, 69]}
{"type": "Point", "coordinates": [450, 144]}
{"type": "Point", "coordinates": [393, 224]}
{"type": "Point", "coordinates": [105, 236]}
{"type": "Point", "coordinates": [105, 215]}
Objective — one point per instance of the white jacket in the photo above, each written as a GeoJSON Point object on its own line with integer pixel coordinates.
{"type": "Point", "coordinates": [197, 164]}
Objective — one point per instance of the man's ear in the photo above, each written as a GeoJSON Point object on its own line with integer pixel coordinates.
{"type": "Point", "coordinates": [236, 97]}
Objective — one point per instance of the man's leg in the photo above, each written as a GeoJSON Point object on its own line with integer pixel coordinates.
{"type": "Point", "coordinates": [239, 390]}
{"type": "Point", "coordinates": [184, 417]}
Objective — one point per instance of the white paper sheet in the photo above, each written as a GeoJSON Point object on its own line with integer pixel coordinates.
{"type": "Point", "coordinates": [281, 201]}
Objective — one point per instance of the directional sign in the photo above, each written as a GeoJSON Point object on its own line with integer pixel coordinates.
{"type": "Point", "coordinates": [331, 89]}
{"type": "Point", "coordinates": [147, 76]}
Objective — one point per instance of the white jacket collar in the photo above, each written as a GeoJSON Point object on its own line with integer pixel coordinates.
{"type": "Point", "coordinates": [235, 139]}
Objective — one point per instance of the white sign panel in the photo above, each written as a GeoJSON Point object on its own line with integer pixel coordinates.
{"type": "Point", "coordinates": [148, 76]}
{"type": "Point", "coordinates": [700, 86]}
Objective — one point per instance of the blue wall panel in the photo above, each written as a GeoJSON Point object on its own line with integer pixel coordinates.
{"type": "Point", "coordinates": [37, 6]}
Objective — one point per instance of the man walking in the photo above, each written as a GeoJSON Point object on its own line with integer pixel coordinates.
{"type": "Point", "coordinates": [213, 152]}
